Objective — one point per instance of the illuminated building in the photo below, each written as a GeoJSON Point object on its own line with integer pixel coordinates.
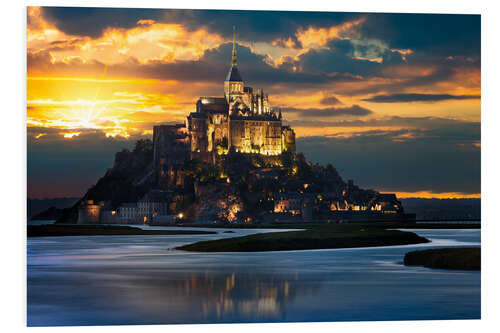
{"type": "Point", "coordinates": [88, 212]}
{"type": "Point", "coordinates": [242, 120]}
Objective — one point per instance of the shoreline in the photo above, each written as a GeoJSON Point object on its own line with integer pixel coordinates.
{"type": "Point", "coordinates": [58, 230]}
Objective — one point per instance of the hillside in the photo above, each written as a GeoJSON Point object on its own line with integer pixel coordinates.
{"type": "Point", "coordinates": [128, 179]}
{"type": "Point", "coordinates": [37, 206]}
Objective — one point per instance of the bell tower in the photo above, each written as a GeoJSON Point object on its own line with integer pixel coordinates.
{"type": "Point", "coordinates": [233, 85]}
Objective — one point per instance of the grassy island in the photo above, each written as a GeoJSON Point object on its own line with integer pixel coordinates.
{"type": "Point", "coordinates": [95, 230]}
{"type": "Point", "coordinates": [467, 258]}
{"type": "Point", "coordinates": [319, 237]}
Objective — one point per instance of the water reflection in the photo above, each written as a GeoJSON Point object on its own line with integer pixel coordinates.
{"type": "Point", "coordinates": [137, 280]}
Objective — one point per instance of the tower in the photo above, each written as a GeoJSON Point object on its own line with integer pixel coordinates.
{"type": "Point", "coordinates": [233, 85]}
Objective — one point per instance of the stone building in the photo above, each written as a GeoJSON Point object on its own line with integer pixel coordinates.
{"type": "Point", "coordinates": [171, 147]}
{"type": "Point", "coordinates": [386, 203]}
{"type": "Point", "coordinates": [242, 119]}
{"type": "Point", "coordinates": [152, 204]}
{"type": "Point", "coordinates": [127, 213]}
{"type": "Point", "coordinates": [301, 204]}
{"type": "Point", "coordinates": [88, 212]}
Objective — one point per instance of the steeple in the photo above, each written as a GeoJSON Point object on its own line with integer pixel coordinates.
{"type": "Point", "coordinates": [233, 74]}
{"type": "Point", "coordinates": [234, 63]}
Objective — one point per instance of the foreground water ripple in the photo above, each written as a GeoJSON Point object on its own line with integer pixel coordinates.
{"type": "Point", "coordinates": [106, 280]}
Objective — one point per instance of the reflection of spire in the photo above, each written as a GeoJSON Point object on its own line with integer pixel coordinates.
{"type": "Point", "coordinates": [234, 47]}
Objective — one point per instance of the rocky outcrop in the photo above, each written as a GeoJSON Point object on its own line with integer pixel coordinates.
{"type": "Point", "coordinates": [216, 202]}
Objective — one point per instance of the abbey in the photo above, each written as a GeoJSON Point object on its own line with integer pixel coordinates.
{"type": "Point", "coordinates": [243, 120]}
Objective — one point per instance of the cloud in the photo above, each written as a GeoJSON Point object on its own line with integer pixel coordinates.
{"type": "Point", "coordinates": [439, 159]}
{"type": "Point", "coordinates": [405, 98]}
{"type": "Point", "coordinates": [354, 110]}
{"type": "Point", "coordinates": [437, 34]}
{"type": "Point", "coordinates": [251, 25]}
{"type": "Point", "coordinates": [330, 100]}
{"type": "Point", "coordinates": [100, 71]}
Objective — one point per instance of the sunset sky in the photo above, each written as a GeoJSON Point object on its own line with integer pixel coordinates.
{"type": "Point", "coordinates": [393, 101]}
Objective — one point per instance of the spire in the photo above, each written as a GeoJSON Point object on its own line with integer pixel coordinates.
{"type": "Point", "coordinates": [233, 64]}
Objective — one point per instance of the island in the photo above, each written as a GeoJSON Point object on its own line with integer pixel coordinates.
{"type": "Point", "coordinates": [465, 258]}
{"type": "Point", "coordinates": [233, 160]}
{"type": "Point", "coordinates": [317, 237]}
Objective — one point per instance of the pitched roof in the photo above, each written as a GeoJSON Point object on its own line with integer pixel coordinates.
{"type": "Point", "coordinates": [233, 74]}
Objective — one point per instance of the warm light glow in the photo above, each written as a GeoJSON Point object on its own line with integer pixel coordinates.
{"type": "Point", "coordinates": [70, 135]}
{"type": "Point", "coordinates": [445, 195]}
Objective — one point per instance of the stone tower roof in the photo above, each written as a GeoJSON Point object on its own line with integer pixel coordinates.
{"type": "Point", "coordinates": [233, 75]}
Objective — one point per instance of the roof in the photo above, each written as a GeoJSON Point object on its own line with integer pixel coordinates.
{"type": "Point", "coordinates": [233, 74]}
{"type": "Point", "coordinates": [212, 100]}
{"type": "Point", "coordinates": [262, 117]}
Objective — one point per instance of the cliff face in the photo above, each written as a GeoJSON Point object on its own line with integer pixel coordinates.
{"type": "Point", "coordinates": [128, 179]}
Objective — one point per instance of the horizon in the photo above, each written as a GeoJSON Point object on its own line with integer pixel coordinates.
{"type": "Point", "coordinates": [395, 109]}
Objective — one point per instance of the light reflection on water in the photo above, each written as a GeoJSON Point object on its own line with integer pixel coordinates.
{"type": "Point", "coordinates": [103, 280]}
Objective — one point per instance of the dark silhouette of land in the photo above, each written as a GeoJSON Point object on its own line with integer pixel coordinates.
{"type": "Point", "coordinates": [319, 237]}
{"type": "Point", "coordinates": [449, 258]}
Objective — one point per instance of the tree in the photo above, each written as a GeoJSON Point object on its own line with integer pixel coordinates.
{"type": "Point", "coordinates": [143, 145]}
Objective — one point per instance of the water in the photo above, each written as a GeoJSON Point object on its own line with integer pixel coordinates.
{"type": "Point", "coordinates": [450, 222]}
{"type": "Point", "coordinates": [40, 222]}
{"type": "Point", "coordinates": [103, 280]}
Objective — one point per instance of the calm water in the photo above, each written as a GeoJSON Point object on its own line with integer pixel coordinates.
{"type": "Point", "coordinates": [103, 280]}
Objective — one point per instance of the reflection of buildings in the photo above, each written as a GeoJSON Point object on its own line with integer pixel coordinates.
{"type": "Point", "coordinates": [242, 120]}
{"type": "Point", "coordinates": [213, 296]}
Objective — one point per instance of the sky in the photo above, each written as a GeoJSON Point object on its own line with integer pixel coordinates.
{"type": "Point", "coordinates": [393, 101]}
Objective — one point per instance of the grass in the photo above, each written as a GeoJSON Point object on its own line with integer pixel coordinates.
{"type": "Point", "coordinates": [318, 237]}
{"type": "Point", "coordinates": [94, 230]}
{"type": "Point", "coordinates": [466, 258]}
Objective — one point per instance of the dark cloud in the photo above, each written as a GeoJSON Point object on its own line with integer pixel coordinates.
{"type": "Point", "coordinates": [437, 34]}
{"type": "Point", "coordinates": [456, 129]}
{"type": "Point", "coordinates": [59, 167]}
{"type": "Point", "coordinates": [439, 159]}
{"type": "Point", "coordinates": [443, 34]}
{"type": "Point", "coordinates": [330, 100]}
{"type": "Point", "coordinates": [211, 67]}
{"type": "Point", "coordinates": [338, 58]}
{"type": "Point", "coordinates": [88, 21]}
{"type": "Point", "coordinates": [251, 25]}
{"type": "Point", "coordinates": [404, 98]}
{"type": "Point", "coordinates": [353, 110]}
{"type": "Point", "coordinates": [448, 43]}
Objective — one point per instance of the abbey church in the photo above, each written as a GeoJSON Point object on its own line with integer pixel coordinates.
{"type": "Point", "coordinates": [243, 120]}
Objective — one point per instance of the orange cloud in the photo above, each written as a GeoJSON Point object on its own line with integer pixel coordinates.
{"type": "Point", "coordinates": [148, 41]}
{"type": "Point", "coordinates": [69, 135]}
{"type": "Point", "coordinates": [319, 37]}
